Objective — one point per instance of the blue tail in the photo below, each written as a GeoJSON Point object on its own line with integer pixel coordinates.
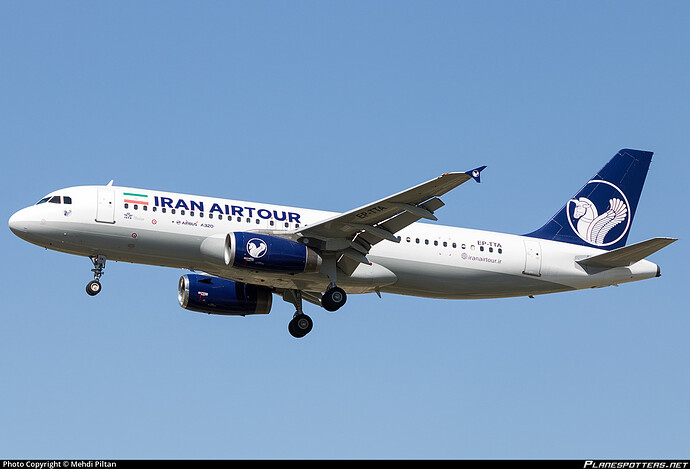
{"type": "Point", "coordinates": [601, 213]}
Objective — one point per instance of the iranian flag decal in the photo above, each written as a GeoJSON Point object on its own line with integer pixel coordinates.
{"type": "Point", "coordinates": [140, 199]}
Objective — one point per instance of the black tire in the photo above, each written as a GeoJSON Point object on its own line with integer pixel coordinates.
{"type": "Point", "coordinates": [333, 299]}
{"type": "Point", "coordinates": [300, 326]}
{"type": "Point", "coordinates": [93, 288]}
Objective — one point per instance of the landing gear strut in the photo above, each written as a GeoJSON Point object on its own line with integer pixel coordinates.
{"type": "Point", "coordinates": [334, 297]}
{"type": "Point", "coordinates": [94, 286]}
{"type": "Point", "coordinates": [301, 324]}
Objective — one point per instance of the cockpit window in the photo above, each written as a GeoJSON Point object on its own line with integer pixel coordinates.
{"type": "Point", "coordinates": [56, 199]}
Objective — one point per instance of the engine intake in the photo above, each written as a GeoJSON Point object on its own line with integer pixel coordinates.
{"type": "Point", "coordinates": [215, 295]}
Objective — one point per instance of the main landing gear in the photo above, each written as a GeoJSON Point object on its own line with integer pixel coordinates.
{"type": "Point", "coordinates": [333, 299]}
{"type": "Point", "coordinates": [301, 324]}
{"type": "Point", "coordinates": [94, 286]}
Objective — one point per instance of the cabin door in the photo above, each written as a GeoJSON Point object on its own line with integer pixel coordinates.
{"type": "Point", "coordinates": [532, 258]}
{"type": "Point", "coordinates": [105, 209]}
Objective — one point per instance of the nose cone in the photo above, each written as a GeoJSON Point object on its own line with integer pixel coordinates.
{"type": "Point", "coordinates": [18, 223]}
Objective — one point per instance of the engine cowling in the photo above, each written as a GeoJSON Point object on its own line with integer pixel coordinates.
{"type": "Point", "coordinates": [271, 254]}
{"type": "Point", "coordinates": [215, 295]}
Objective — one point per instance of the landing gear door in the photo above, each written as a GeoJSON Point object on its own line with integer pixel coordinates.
{"type": "Point", "coordinates": [105, 209]}
{"type": "Point", "coordinates": [532, 258]}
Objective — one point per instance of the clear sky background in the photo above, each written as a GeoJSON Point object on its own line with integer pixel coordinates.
{"type": "Point", "coordinates": [331, 105]}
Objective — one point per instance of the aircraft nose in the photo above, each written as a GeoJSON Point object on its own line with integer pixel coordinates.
{"type": "Point", "coordinates": [18, 223]}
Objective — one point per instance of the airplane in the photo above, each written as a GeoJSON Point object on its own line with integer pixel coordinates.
{"type": "Point", "coordinates": [241, 253]}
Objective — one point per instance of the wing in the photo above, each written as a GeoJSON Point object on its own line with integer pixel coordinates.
{"type": "Point", "coordinates": [353, 233]}
{"type": "Point", "coordinates": [605, 222]}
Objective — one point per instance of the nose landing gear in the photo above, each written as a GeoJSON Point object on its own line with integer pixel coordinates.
{"type": "Point", "coordinates": [94, 286]}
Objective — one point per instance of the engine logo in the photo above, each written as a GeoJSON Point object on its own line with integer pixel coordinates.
{"type": "Point", "coordinates": [256, 248]}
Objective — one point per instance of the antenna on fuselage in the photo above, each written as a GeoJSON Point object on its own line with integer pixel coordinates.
{"type": "Point", "coordinates": [110, 183]}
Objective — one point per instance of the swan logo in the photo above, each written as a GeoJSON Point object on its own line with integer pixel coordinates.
{"type": "Point", "coordinates": [602, 223]}
{"type": "Point", "coordinates": [256, 248]}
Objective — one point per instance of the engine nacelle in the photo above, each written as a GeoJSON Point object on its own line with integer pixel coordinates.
{"type": "Point", "coordinates": [215, 295]}
{"type": "Point", "coordinates": [271, 254]}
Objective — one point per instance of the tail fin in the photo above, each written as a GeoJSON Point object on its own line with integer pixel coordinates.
{"type": "Point", "coordinates": [601, 213]}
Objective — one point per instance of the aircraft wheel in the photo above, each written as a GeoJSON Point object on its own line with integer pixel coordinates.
{"type": "Point", "coordinates": [300, 326]}
{"type": "Point", "coordinates": [333, 299]}
{"type": "Point", "coordinates": [93, 287]}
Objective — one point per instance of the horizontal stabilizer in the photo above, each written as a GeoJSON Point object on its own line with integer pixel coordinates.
{"type": "Point", "coordinates": [628, 255]}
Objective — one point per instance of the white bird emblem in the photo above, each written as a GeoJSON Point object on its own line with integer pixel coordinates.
{"type": "Point", "coordinates": [256, 248]}
{"type": "Point", "coordinates": [593, 227]}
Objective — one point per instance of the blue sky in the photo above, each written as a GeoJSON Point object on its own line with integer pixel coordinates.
{"type": "Point", "coordinates": [331, 105]}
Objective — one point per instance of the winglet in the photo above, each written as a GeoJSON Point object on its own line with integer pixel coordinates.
{"type": "Point", "coordinates": [475, 173]}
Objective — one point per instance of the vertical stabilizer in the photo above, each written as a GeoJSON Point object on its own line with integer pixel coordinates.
{"type": "Point", "coordinates": [601, 213]}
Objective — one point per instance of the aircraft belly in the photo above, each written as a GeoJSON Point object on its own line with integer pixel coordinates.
{"type": "Point", "coordinates": [365, 279]}
{"type": "Point", "coordinates": [461, 282]}
{"type": "Point", "coordinates": [121, 243]}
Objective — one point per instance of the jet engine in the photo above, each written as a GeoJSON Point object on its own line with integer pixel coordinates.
{"type": "Point", "coordinates": [260, 252]}
{"type": "Point", "coordinates": [215, 295]}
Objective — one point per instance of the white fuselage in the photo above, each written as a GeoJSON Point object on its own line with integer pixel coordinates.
{"type": "Point", "coordinates": [167, 229]}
